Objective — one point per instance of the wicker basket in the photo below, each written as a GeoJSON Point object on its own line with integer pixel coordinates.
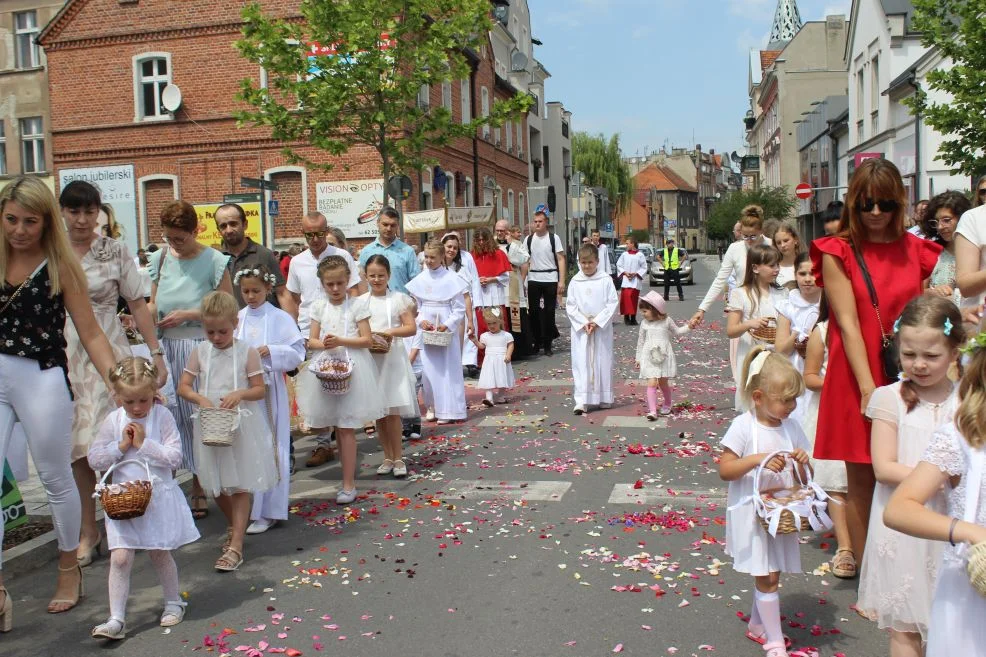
{"type": "Point", "coordinates": [219, 426]}
{"type": "Point", "coordinates": [436, 338]}
{"type": "Point", "coordinates": [806, 498]}
{"type": "Point", "coordinates": [801, 346]}
{"type": "Point", "coordinates": [125, 500]}
{"type": "Point", "coordinates": [767, 333]}
{"type": "Point", "coordinates": [976, 567]}
{"type": "Point", "coordinates": [334, 373]}
{"type": "Point", "coordinates": [378, 347]}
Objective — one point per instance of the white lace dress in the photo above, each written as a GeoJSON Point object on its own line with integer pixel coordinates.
{"type": "Point", "coordinates": [898, 571]}
{"type": "Point", "coordinates": [496, 374]}
{"type": "Point", "coordinates": [957, 610]}
{"type": "Point", "coordinates": [654, 351]}
{"type": "Point", "coordinates": [395, 378]}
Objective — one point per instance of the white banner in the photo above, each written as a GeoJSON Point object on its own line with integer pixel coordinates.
{"type": "Point", "coordinates": [351, 205]}
{"type": "Point", "coordinates": [117, 188]}
{"type": "Point", "coordinates": [424, 221]}
{"type": "Point", "coordinates": [470, 217]}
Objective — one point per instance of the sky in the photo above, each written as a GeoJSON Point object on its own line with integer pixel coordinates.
{"type": "Point", "coordinates": [658, 72]}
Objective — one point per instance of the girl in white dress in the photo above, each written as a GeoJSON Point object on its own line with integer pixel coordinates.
{"type": "Point", "coordinates": [275, 336]}
{"type": "Point", "coordinates": [898, 571]}
{"type": "Point", "coordinates": [497, 345]}
{"type": "Point", "coordinates": [655, 357]}
{"type": "Point", "coordinates": [391, 313]}
{"type": "Point", "coordinates": [829, 475]}
{"type": "Point", "coordinates": [797, 315]}
{"type": "Point", "coordinates": [341, 326]}
{"type": "Point", "coordinates": [140, 430]}
{"type": "Point", "coordinates": [230, 375]}
{"type": "Point", "coordinates": [752, 305]}
{"type": "Point", "coordinates": [772, 389]}
{"type": "Point", "coordinates": [439, 294]}
{"type": "Point", "coordinates": [788, 242]}
{"type": "Point", "coordinates": [955, 460]}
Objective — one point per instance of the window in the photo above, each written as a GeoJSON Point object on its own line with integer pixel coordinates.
{"type": "Point", "coordinates": [424, 93]}
{"type": "Point", "coordinates": [496, 136]}
{"type": "Point", "coordinates": [521, 210]}
{"type": "Point", "coordinates": [450, 189]}
{"type": "Point", "coordinates": [447, 95]}
{"type": "Point", "coordinates": [509, 215]}
{"type": "Point", "coordinates": [875, 92]}
{"type": "Point", "coordinates": [547, 173]}
{"type": "Point", "coordinates": [509, 132]}
{"type": "Point", "coordinates": [467, 197]}
{"type": "Point", "coordinates": [499, 196]}
{"type": "Point", "coordinates": [465, 100]}
{"type": "Point", "coordinates": [860, 92]}
{"type": "Point", "coordinates": [152, 73]}
{"type": "Point", "coordinates": [32, 145]}
{"type": "Point", "coordinates": [485, 109]}
{"type": "Point", "coordinates": [26, 30]}
{"type": "Point", "coordinates": [520, 137]}
{"type": "Point", "coordinates": [3, 149]}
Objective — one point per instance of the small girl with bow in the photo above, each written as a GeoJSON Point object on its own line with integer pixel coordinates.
{"type": "Point", "coordinates": [655, 357]}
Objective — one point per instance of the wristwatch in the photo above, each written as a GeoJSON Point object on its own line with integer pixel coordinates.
{"type": "Point", "coordinates": [158, 352]}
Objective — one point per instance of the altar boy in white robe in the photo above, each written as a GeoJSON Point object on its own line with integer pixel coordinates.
{"type": "Point", "coordinates": [591, 304]}
{"type": "Point", "coordinates": [276, 337]}
{"type": "Point", "coordinates": [441, 307]}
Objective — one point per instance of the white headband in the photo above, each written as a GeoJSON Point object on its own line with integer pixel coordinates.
{"type": "Point", "coordinates": [757, 365]}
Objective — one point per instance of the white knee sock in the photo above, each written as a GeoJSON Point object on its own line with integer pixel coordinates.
{"type": "Point", "coordinates": [755, 625]}
{"type": "Point", "coordinates": [121, 563]}
{"type": "Point", "coordinates": [769, 606]}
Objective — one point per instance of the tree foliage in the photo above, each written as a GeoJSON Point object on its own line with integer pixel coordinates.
{"type": "Point", "coordinates": [777, 203]}
{"type": "Point", "coordinates": [601, 162]}
{"type": "Point", "coordinates": [349, 74]}
{"type": "Point", "coordinates": [957, 30]}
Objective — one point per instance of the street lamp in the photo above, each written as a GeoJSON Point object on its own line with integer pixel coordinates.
{"type": "Point", "coordinates": [568, 179]}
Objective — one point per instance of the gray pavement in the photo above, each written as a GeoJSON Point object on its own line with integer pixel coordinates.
{"type": "Point", "coordinates": [525, 531]}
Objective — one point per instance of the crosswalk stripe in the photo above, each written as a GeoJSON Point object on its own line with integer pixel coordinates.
{"type": "Point", "coordinates": [635, 421]}
{"type": "Point", "coordinates": [469, 489]}
{"type": "Point", "coordinates": [551, 383]}
{"type": "Point", "coordinates": [512, 420]}
{"type": "Point", "coordinates": [654, 494]}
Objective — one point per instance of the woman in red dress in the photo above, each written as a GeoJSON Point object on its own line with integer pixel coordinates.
{"type": "Point", "coordinates": [899, 264]}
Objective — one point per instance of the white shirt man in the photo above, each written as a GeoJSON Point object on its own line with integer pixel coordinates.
{"type": "Point", "coordinates": [545, 280]}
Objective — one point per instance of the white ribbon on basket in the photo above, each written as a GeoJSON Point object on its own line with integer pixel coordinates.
{"type": "Point", "coordinates": [240, 411]}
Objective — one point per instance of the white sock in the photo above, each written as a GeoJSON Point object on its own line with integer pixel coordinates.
{"type": "Point", "coordinates": [769, 606]}
{"type": "Point", "coordinates": [121, 562]}
{"type": "Point", "coordinates": [489, 395]}
{"type": "Point", "coordinates": [755, 625]}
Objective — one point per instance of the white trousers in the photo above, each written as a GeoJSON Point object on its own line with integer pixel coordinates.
{"type": "Point", "coordinates": [40, 401]}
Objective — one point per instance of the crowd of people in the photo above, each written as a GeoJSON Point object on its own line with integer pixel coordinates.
{"type": "Point", "coordinates": [845, 358]}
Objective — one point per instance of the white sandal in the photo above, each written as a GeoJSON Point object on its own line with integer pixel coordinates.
{"type": "Point", "coordinates": [174, 613]}
{"type": "Point", "coordinates": [114, 629]}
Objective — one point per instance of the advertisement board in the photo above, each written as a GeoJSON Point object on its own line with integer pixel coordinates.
{"type": "Point", "coordinates": [208, 233]}
{"type": "Point", "coordinates": [117, 188]}
{"type": "Point", "coordinates": [351, 205]}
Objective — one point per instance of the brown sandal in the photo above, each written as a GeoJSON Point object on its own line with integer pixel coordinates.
{"type": "Point", "coordinates": [199, 511]}
{"type": "Point", "coordinates": [844, 564]}
{"type": "Point", "coordinates": [230, 560]}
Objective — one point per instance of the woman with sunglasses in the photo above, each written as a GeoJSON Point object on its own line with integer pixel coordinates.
{"type": "Point", "coordinates": [182, 273]}
{"type": "Point", "coordinates": [938, 223]}
{"type": "Point", "coordinates": [872, 242]}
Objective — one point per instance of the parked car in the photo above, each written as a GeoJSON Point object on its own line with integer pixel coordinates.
{"type": "Point", "coordinates": [613, 257]}
{"type": "Point", "coordinates": [687, 271]}
{"type": "Point", "coordinates": [649, 252]}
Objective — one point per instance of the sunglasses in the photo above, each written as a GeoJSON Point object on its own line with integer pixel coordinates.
{"type": "Point", "coordinates": [867, 205]}
{"type": "Point", "coordinates": [315, 235]}
{"type": "Point", "coordinates": [750, 238]}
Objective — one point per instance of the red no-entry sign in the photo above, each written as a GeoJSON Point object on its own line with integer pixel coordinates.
{"type": "Point", "coordinates": [803, 191]}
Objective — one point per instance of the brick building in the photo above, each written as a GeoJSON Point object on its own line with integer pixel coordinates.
{"type": "Point", "coordinates": [109, 61]}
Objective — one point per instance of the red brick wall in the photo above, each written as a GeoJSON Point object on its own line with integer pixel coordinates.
{"type": "Point", "coordinates": [202, 146]}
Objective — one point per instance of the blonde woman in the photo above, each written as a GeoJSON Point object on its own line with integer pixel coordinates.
{"type": "Point", "coordinates": [788, 242]}
{"type": "Point", "coordinates": [40, 283]}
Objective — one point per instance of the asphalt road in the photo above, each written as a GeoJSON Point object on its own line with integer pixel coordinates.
{"type": "Point", "coordinates": [526, 531]}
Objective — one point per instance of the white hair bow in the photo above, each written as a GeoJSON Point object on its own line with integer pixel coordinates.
{"type": "Point", "coordinates": [757, 365]}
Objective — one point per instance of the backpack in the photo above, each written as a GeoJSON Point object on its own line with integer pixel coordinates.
{"type": "Point", "coordinates": [554, 252]}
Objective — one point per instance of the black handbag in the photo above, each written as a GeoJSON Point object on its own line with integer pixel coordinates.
{"type": "Point", "coordinates": [888, 344]}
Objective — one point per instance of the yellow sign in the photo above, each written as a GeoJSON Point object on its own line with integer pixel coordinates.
{"type": "Point", "coordinates": [210, 236]}
{"type": "Point", "coordinates": [424, 221]}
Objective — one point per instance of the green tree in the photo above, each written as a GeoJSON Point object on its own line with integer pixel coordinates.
{"type": "Point", "coordinates": [777, 203]}
{"type": "Point", "coordinates": [349, 73]}
{"type": "Point", "coordinates": [955, 28]}
{"type": "Point", "coordinates": [601, 162]}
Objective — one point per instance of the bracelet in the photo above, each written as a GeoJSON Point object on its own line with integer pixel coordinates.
{"type": "Point", "coordinates": [951, 531]}
{"type": "Point", "coordinates": [158, 352]}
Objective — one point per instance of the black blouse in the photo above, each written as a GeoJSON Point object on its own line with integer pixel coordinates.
{"type": "Point", "coordinates": [32, 326]}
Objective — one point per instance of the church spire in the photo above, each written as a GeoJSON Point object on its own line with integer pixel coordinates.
{"type": "Point", "coordinates": [787, 21]}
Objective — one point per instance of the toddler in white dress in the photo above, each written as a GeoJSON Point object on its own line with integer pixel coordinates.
{"type": "Point", "coordinates": [140, 432]}
{"type": "Point", "coordinates": [497, 374]}
{"type": "Point", "coordinates": [655, 357]}
{"type": "Point", "coordinates": [771, 390]}
{"type": "Point", "coordinates": [230, 376]}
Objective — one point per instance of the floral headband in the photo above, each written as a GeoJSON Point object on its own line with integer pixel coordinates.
{"type": "Point", "coordinates": [254, 273]}
{"type": "Point", "coordinates": [975, 344]}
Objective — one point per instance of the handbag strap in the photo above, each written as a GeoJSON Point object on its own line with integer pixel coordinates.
{"type": "Point", "coordinates": [871, 289]}
{"type": "Point", "coordinates": [20, 287]}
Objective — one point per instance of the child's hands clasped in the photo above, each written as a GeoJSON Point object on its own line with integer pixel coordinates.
{"type": "Point", "coordinates": [133, 436]}
{"type": "Point", "coordinates": [330, 341]}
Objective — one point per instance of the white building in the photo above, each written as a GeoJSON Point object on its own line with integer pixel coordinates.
{"type": "Point", "coordinates": [549, 124]}
{"type": "Point", "coordinates": [887, 63]}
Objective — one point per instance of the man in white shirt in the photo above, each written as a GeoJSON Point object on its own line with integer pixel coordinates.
{"type": "Point", "coordinates": [545, 280]}
{"type": "Point", "coordinates": [305, 288]}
